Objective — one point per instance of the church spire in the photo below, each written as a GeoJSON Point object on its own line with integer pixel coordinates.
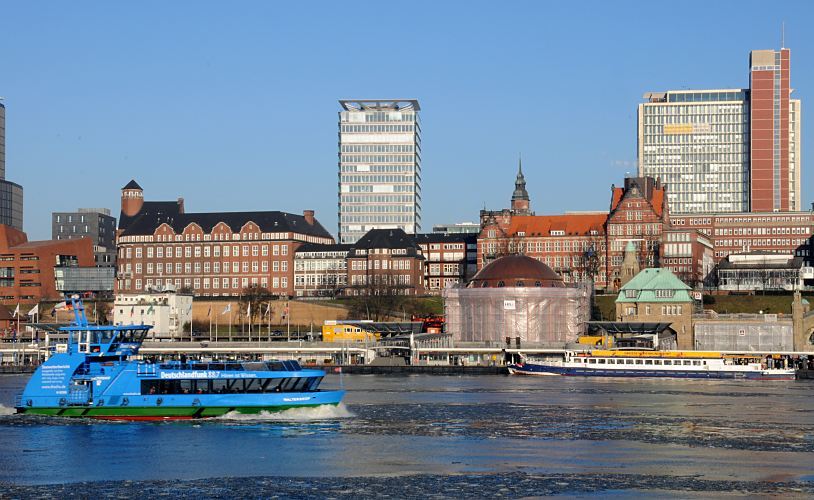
{"type": "Point", "coordinates": [520, 197]}
{"type": "Point", "coordinates": [520, 192]}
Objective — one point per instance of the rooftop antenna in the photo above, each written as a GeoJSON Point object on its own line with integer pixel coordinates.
{"type": "Point", "coordinates": [783, 35]}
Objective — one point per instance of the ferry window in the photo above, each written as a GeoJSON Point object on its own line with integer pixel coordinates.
{"type": "Point", "coordinates": [592, 361]}
{"type": "Point", "coordinates": [648, 361]}
{"type": "Point", "coordinates": [274, 384]}
{"type": "Point", "coordinates": [601, 361]}
{"type": "Point", "coordinates": [314, 383]}
{"type": "Point", "coordinates": [668, 362]}
{"type": "Point", "coordinates": [202, 387]}
{"type": "Point", "coordinates": [656, 361]}
{"type": "Point", "coordinates": [687, 362]}
{"type": "Point", "coordinates": [186, 386]}
{"type": "Point", "coordinates": [252, 385]}
{"type": "Point", "coordinates": [276, 366]}
{"type": "Point", "coordinates": [704, 362]}
{"type": "Point", "coordinates": [629, 362]}
{"type": "Point", "coordinates": [299, 385]}
{"type": "Point", "coordinates": [287, 384]}
{"type": "Point", "coordinates": [696, 362]}
{"type": "Point", "coordinates": [149, 386]}
{"type": "Point", "coordinates": [638, 361]}
{"type": "Point", "coordinates": [219, 386]}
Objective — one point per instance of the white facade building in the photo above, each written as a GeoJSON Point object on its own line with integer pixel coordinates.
{"type": "Point", "coordinates": [167, 312]}
{"type": "Point", "coordinates": [697, 142]}
{"type": "Point", "coordinates": [379, 167]}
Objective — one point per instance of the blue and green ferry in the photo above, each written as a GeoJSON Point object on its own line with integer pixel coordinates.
{"type": "Point", "coordinates": [94, 375]}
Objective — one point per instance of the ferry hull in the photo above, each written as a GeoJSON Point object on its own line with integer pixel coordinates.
{"type": "Point", "coordinates": [185, 411]}
{"type": "Point", "coordinates": [150, 413]}
{"type": "Point", "coordinates": [544, 370]}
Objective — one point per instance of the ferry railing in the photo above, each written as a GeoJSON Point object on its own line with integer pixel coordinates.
{"type": "Point", "coordinates": [145, 370]}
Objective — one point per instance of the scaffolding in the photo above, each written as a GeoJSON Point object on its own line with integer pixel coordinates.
{"type": "Point", "coordinates": [536, 315]}
{"type": "Point", "coordinates": [744, 335]}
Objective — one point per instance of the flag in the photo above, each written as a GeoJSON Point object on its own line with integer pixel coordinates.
{"type": "Point", "coordinates": [209, 311]}
{"type": "Point", "coordinates": [17, 310]}
{"type": "Point", "coordinates": [227, 309]}
{"type": "Point", "coordinates": [150, 309]}
{"type": "Point", "coordinates": [132, 310]}
{"type": "Point", "coordinates": [268, 309]}
{"type": "Point", "coordinates": [59, 307]}
{"type": "Point", "coordinates": [34, 310]}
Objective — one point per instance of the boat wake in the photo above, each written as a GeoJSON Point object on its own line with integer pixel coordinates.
{"type": "Point", "coordinates": [5, 410]}
{"type": "Point", "coordinates": [322, 412]}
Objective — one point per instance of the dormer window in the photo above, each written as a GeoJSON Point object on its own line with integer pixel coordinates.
{"type": "Point", "coordinates": [631, 294]}
{"type": "Point", "coordinates": [557, 233]}
{"type": "Point", "coordinates": [665, 294]}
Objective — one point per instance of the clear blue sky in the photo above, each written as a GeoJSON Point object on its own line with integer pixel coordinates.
{"type": "Point", "coordinates": [233, 105]}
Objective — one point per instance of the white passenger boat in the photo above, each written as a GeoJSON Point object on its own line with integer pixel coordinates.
{"type": "Point", "coordinates": [637, 363]}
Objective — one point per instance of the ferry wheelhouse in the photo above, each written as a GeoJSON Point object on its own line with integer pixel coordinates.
{"type": "Point", "coordinates": [94, 376]}
{"type": "Point", "coordinates": [642, 363]}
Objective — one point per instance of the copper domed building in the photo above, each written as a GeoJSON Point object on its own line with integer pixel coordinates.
{"type": "Point", "coordinates": [517, 296]}
{"type": "Point", "coordinates": [516, 270]}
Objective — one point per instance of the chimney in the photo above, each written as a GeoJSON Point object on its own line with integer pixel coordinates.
{"type": "Point", "coordinates": [309, 216]}
{"type": "Point", "coordinates": [180, 205]}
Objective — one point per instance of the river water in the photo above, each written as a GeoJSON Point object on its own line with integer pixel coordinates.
{"type": "Point", "coordinates": [413, 436]}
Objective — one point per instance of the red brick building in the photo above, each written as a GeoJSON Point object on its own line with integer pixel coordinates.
{"type": "Point", "coordinates": [778, 232]}
{"type": "Point", "coordinates": [27, 267]}
{"type": "Point", "coordinates": [212, 254]}
{"type": "Point", "coordinates": [638, 214]}
{"type": "Point", "coordinates": [449, 259]}
{"type": "Point", "coordinates": [573, 245]}
{"type": "Point", "coordinates": [769, 132]}
{"type": "Point", "coordinates": [385, 262]}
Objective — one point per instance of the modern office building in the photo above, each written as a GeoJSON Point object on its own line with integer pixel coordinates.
{"type": "Point", "coordinates": [11, 194]}
{"type": "Point", "coordinates": [726, 150]}
{"type": "Point", "coordinates": [379, 167]}
{"type": "Point", "coordinates": [94, 223]}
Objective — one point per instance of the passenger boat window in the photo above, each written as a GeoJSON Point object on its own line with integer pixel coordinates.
{"type": "Point", "coordinates": [638, 361]}
{"type": "Point", "coordinates": [656, 361]}
{"type": "Point", "coordinates": [593, 361]}
{"type": "Point", "coordinates": [252, 385]}
{"type": "Point", "coordinates": [668, 362]}
{"type": "Point", "coordinates": [202, 387]}
{"type": "Point", "coordinates": [601, 361]}
{"type": "Point", "coordinates": [704, 362]}
{"type": "Point", "coordinates": [696, 362]}
{"type": "Point", "coordinates": [648, 361]}
{"type": "Point", "coordinates": [289, 382]}
{"type": "Point", "coordinates": [313, 383]}
{"type": "Point", "coordinates": [219, 386]}
{"type": "Point", "coordinates": [186, 386]}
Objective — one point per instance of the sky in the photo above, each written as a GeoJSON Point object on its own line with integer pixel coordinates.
{"type": "Point", "coordinates": [233, 105]}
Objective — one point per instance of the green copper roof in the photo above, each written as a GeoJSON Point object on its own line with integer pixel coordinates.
{"type": "Point", "coordinates": [655, 285]}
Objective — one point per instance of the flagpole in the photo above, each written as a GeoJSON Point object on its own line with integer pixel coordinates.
{"type": "Point", "coordinates": [210, 322]}
{"type": "Point", "coordinates": [230, 322]}
{"type": "Point", "coordinates": [288, 318]}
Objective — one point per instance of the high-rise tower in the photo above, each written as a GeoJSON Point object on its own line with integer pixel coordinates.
{"type": "Point", "coordinates": [11, 194]}
{"type": "Point", "coordinates": [379, 167]}
{"type": "Point", "coordinates": [726, 150]}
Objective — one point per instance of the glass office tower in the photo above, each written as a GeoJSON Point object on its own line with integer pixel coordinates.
{"type": "Point", "coordinates": [379, 166]}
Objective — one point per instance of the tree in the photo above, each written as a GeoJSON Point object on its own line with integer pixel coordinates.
{"type": "Point", "coordinates": [257, 297]}
{"type": "Point", "coordinates": [380, 296]}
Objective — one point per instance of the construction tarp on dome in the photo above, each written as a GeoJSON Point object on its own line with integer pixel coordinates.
{"type": "Point", "coordinates": [537, 315]}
